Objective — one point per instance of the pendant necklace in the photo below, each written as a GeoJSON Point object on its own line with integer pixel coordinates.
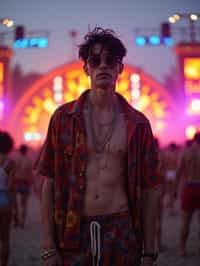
{"type": "Point", "coordinates": [101, 145]}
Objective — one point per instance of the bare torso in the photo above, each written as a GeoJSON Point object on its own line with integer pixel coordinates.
{"type": "Point", "coordinates": [106, 171]}
{"type": "Point", "coordinates": [23, 168]}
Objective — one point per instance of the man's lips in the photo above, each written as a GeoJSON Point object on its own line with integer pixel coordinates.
{"type": "Point", "coordinates": [101, 75]}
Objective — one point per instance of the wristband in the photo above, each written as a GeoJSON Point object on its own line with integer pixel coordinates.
{"type": "Point", "coordinates": [48, 253]}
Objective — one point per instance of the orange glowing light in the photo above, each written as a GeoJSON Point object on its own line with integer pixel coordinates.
{"type": "Point", "coordinates": [192, 86]}
{"type": "Point", "coordinates": [122, 85]}
{"type": "Point", "coordinates": [192, 68]}
{"type": "Point", "coordinates": [37, 101]}
{"type": "Point", "coordinates": [47, 92]}
{"type": "Point", "coordinates": [76, 83]}
{"type": "Point", "coordinates": [143, 102]}
{"type": "Point", "coordinates": [1, 90]}
{"type": "Point", "coordinates": [33, 117]}
{"type": "Point", "coordinates": [160, 125]}
{"type": "Point", "coordinates": [1, 72]}
{"type": "Point", "coordinates": [68, 97]}
{"type": "Point", "coordinates": [49, 105]}
{"type": "Point", "coordinates": [158, 111]}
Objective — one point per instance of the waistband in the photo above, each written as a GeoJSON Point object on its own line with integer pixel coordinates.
{"type": "Point", "coordinates": [106, 217]}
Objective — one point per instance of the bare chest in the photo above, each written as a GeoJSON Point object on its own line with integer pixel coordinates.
{"type": "Point", "coordinates": [110, 138]}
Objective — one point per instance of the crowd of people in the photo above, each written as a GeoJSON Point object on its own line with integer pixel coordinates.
{"type": "Point", "coordinates": [101, 176]}
{"type": "Point", "coordinates": [16, 179]}
{"type": "Point", "coordinates": [175, 161]}
{"type": "Point", "coordinates": [179, 168]}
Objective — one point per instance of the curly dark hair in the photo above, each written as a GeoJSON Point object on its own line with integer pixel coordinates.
{"type": "Point", "coordinates": [6, 142]}
{"type": "Point", "coordinates": [107, 38]}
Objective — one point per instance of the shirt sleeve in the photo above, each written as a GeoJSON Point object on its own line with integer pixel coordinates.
{"type": "Point", "coordinates": [46, 160]}
{"type": "Point", "coordinates": [149, 159]}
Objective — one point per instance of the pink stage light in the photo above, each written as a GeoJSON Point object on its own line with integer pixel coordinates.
{"type": "Point", "coordinates": [1, 105]}
{"type": "Point", "coordinates": [1, 109]}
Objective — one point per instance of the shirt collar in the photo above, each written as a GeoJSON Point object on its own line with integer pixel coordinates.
{"type": "Point", "coordinates": [127, 109]}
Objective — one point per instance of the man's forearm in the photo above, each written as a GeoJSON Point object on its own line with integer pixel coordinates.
{"type": "Point", "coordinates": [149, 219]}
{"type": "Point", "coordinates": [47, 214]}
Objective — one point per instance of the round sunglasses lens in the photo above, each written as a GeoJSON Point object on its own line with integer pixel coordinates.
{"type": "Point", "coordinates": [111, 61]}
{"type": "Point", "coordinates": [94, 61]}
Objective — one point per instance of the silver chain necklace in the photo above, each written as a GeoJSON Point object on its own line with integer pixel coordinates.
{"type": "Point", "coordinates": [99, 145]}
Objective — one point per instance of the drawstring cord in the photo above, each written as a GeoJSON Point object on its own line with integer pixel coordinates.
{"type": "Point", "coordinates": [95, 237]}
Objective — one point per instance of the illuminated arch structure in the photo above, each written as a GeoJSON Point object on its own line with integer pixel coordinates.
{"type": "Point", "coordinates": [31, 115]}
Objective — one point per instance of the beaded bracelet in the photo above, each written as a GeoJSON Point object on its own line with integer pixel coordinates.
{"type": "Point", "coordinates": [48, 253]}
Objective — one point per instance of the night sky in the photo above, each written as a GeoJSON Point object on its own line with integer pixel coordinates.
{"type": "Point", "coordinates": [61, 16]}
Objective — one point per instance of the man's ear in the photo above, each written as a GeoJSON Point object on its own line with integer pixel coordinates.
{"type": "Point", "coordinates": [121, 68]}
{"type": "Point", "coordinates": [86, 69]}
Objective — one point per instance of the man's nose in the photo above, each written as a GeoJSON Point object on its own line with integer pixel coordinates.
{"type": "Point", "coordinates": [103, 63]}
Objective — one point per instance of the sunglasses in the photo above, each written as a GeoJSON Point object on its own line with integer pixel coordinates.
{"type": "Point", "coordinates": [111, 61]}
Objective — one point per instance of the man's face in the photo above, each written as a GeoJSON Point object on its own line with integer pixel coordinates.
{"type": "Point", "coordinates": [103, 67]}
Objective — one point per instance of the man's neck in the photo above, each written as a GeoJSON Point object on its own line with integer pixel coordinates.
{"type": "Point", "coordinates": [102, 99]}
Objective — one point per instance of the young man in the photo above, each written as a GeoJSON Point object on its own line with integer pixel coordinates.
{"type": "Point", "coordinates": [7, 194]}
{"type": "Point", "coordinates": [99, 163]}
{"type": "Point", "coordinates": [189, 169]}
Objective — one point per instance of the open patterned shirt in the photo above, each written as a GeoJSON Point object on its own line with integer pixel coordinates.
{"type": "Point", "coordinates": [64, 157]}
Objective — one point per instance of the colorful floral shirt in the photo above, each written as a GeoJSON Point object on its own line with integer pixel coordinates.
{"type": "Point", "coordinates": [64, 157]}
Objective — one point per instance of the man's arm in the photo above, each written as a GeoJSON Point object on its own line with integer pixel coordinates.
{"type": "Point", "coordinates": [150, 197]}
{"type": "Point", "coordinates": [50, 255]}
{"type": "Point", "coordinates": [48, 214]}
{"type": "Point", "coordinates": [151, 182]}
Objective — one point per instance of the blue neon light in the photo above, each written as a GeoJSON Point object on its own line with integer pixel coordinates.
{"type": "Point", "coordinates": [168, 41]}
{"type": "Point", "coordinates": [140, 40]}
{"type": "Point", "coordinates": [154, 40]}
{"type": "Point", "coordinates": [31, 43]}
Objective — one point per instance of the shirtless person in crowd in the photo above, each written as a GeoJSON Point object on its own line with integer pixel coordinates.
{"type": "Point", "coordinates": [189, 169]}
{"type": "Point", "coordinates": [23, 182]}
{"type": "Point", "coordinates": [171, 161]}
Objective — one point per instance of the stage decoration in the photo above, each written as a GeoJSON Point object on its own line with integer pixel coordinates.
{"type": "Point", "coordinates": [67, 82]}
{"type": "Point", "coordinates": [1, 90]}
